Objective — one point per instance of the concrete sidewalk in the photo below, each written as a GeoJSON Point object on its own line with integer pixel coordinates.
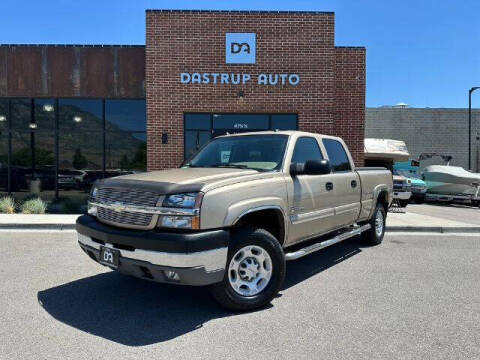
{"type": "Point", "coordinates": [415, 222]}
{"type": "Point", "coordinates": [47, 221]}
{"type": "Point", "coordinates": [396, 222]}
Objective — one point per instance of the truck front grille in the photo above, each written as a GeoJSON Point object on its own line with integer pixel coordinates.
{"type": "Point", "coordinates": [126, 197]}
{"type": "Point", "coordinates": [124, 217]}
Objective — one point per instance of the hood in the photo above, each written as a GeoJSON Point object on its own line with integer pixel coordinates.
{"type": "Point", "coordinates": [183, 180]}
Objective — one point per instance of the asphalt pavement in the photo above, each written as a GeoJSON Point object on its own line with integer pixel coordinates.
{"type": "Point", "coordinates": [416, 296]}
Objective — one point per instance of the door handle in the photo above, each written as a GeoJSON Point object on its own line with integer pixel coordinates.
{"type": "Point", "coordinates": [354, 183]}
{"type": "Point", "coordinates": [329, 186]}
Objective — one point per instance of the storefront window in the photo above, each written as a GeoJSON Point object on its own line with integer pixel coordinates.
{"type": "Point", "coordinates": [284, 122]}
{"type": "Point", "coordinates": [21, 114]}
{"type": "Point", "coordinates": [125, 115]}
{"type": "Point", "coordinates": [240, 122]}
{"type": "Point", "coordinates": [200, 128]}
{"type": "Point", "coordinates": [126, 145]}
{"type": "Point", "coordinates": [90, 146]}
{"type": "Point", "coordinates": [80, 115]}
{"type": "Point", "coordinates": [126, 152]}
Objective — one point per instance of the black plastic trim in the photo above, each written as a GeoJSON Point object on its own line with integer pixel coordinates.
{"type": "Point", "coordinates": [164, 241]}
{"type": "Point", "coordinates": [159, 187]}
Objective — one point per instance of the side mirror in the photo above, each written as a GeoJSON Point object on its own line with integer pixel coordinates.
{"type": "Point", "coordinates": [311, 167]}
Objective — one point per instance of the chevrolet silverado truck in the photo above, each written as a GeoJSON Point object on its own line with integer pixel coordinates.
{"type": "Point", "coordinates": [234, 213]}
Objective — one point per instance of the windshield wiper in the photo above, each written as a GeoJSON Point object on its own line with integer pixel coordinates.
{"type": "Point", "coordinates": [236, 166]}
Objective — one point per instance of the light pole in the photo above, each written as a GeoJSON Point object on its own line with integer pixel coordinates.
{"type": "Point", "coordinates": [470, 125]}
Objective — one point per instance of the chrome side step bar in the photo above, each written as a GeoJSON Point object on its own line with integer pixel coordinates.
{"type": "Point", "coordinates": [357, 230]}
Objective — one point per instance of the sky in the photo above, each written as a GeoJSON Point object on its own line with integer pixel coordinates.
{"type": "Point", "coordinates": [425, 53]}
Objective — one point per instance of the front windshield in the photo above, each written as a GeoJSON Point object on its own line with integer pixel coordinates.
{"type": "Point", "coordinates": [407, 173]}
{"type": "Point", "coordinates": [259, 152]}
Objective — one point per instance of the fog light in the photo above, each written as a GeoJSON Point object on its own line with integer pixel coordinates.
{"type": "Point", "coordinates": [171, 275]}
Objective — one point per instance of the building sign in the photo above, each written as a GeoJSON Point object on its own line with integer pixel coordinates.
{"type": "Point", "coordinates": [239, 78]}
{"type": "Point", "coordinates": [240, 48]}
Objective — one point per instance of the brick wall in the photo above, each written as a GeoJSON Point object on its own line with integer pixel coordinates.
{"type": "Point", "coordinates": [287, 42]}
{"type": "Point", "coordinates": [349, 109]}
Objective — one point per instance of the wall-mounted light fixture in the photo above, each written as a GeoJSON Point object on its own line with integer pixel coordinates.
{"type": "Point", "coordinates": [3, 118]}
{"type": "Point", "coordinates": [48, 107]}
{"type": "Point", "coordinates": [77, 119]}
{"type": "Point", "coordinates": [241, 94]}
{"type": "Point", "coordinates": [32, 126]}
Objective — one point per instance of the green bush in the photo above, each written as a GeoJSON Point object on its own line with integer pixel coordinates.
{"type": "Point", "coordinates": [34, 206]}
{"type": "Point", "coordinates": [7, 205]}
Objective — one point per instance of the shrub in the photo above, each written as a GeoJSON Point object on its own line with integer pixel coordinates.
{"type": "Point", "coordinates": [34, 206]}
{"type": "Point", "coordinates": [7, 205]}
{"type": "Point", "coordinates": [73, 206]}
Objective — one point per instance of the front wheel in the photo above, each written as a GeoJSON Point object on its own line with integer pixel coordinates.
{"type": "Point", "coordinates": [374, 236]}
{"type": "Point", "coordinates": [255, 271]}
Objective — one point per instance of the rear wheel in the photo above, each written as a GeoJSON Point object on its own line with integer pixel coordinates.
{"type": "Point", "coordinates": [375, 234]}
{"type": "Point", "coordinates": [403, 203]}
{"type": "Point", "coordinates": [255, 271]}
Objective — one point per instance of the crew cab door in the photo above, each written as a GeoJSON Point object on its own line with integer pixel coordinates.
{"type": "Point", "coordinates": [311, 201]}
{"type": "Point", "coordinates": [346, 183]}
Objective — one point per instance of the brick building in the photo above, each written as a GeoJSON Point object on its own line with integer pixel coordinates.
{"type": "Point", "coordinates": [70, 114]}
{"type": "Point", "coordinates": [186, 106]}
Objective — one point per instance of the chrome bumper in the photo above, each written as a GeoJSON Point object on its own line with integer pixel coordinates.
{"type": "Point", "coordinates": [211, 260]}
{"type": "Point", "coordinates": [404, 195]}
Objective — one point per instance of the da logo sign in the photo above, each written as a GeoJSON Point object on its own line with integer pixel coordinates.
{"type": "Point", "coordinates": [240, 48]}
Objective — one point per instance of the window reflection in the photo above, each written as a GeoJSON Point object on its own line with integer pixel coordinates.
{"type": "Point", "coordinates": [125, 115]}
{"type": "Point", "coordinates": [200, 127]}
{"type": "Point", "coordinates": [81, 155]}
{"type": "Point", "coordinates": [126, 152]}
{"type": "Point", "coordinates": [78, 115]}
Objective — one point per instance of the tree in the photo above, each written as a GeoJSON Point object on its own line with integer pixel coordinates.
{"type": "Point", "coordinates": [79, 161]}
{"type": "Point", "coordinates": [124, 162]}
{"type": "Point", "coordinates": [139, 161]}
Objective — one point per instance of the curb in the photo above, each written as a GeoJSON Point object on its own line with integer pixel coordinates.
{"type": "Point", "coordinates": [58, 227]}
{"type": "Point", "coordinates": [430, 229]}
{"type": "Point", "coordinates": [435, 229]}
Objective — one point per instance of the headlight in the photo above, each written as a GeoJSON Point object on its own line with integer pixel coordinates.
{"type": "Point", "coordinates": [190, 202]}
{"type": "Point", "coordinates": [93, 193]}
{"type": "Point", "coordinates": [179, 222]}
{"type": "Point", "coordinates": [92, 210]}
{"type": "Point", "coordinates": [186, 201]}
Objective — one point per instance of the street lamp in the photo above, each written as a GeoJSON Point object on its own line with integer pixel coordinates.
{"type": "Point", "coordinates": [470, 125]}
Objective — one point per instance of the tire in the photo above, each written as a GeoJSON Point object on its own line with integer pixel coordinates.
{"type": "Point", "coordinates": [374, 236]}
{"type": "Point", "coordinates": [403, 203]}
{"type": "Point", "coordinates": [249, 248]}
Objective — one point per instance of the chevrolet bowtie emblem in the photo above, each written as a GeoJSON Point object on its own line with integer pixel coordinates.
{"type": "Point", "coordinates": [118, 207]}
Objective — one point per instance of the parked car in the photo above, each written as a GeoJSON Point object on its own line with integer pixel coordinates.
{"type": "Point", "coordinates": [232, 215]}
{"type": "Point", "coordinates": [412, 174]}
{"type": "Point", "coordinates": [402, 190]}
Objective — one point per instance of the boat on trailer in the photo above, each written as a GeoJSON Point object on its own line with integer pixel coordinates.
{"type": "Point", "coordinates": [450, 183]}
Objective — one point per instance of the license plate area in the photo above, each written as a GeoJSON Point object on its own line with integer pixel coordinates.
{"type": "Point", "coordinates": [109, 256]}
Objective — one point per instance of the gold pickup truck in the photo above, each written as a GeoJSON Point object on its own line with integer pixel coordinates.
{"type": "Point", "coordinates": [235, 212]}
